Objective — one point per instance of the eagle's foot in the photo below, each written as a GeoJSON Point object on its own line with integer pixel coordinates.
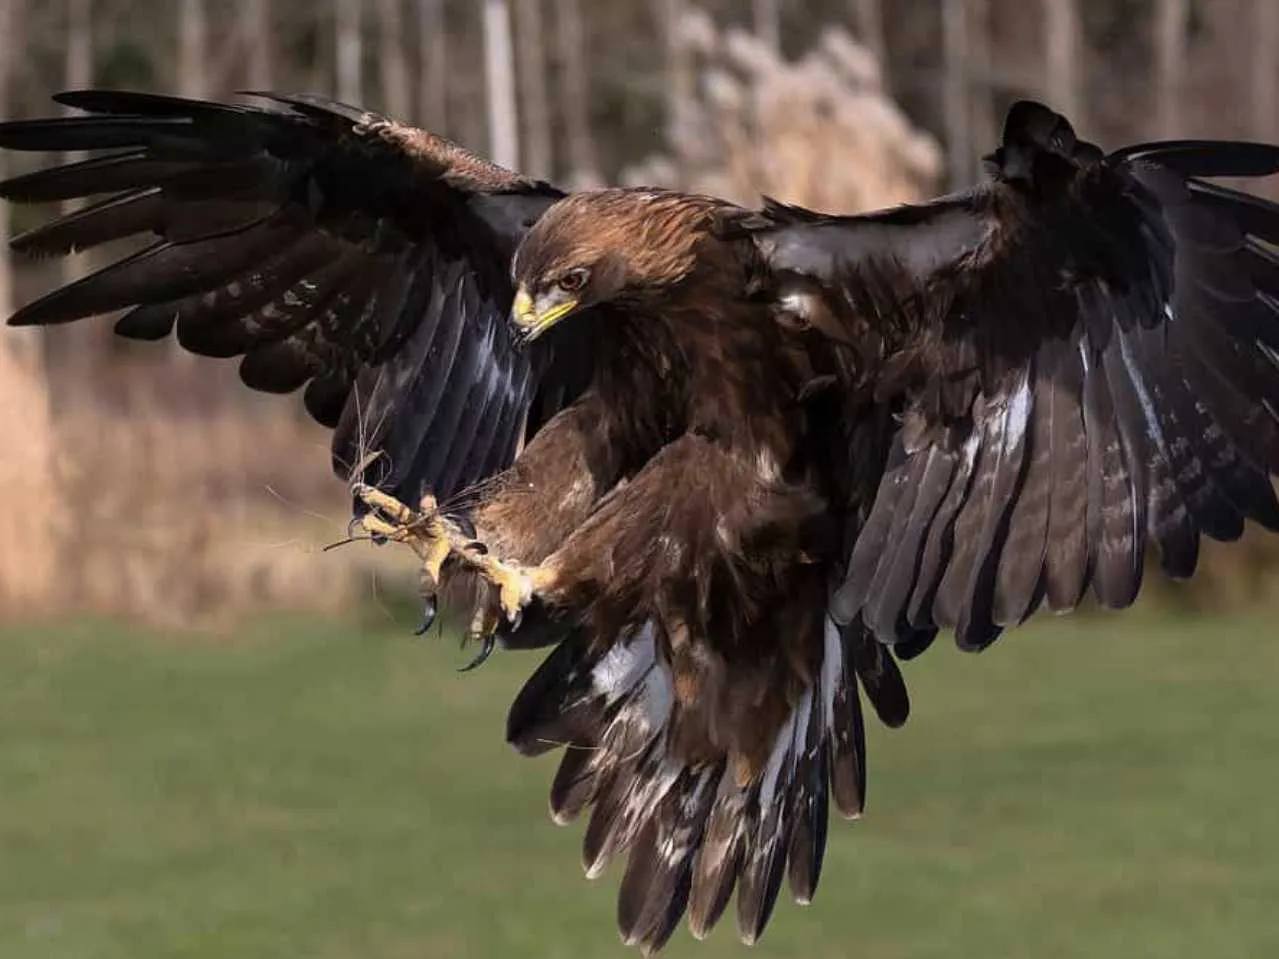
{"type": "Point", "coordinates": [435, 537]}
{"type": "Point", "coordinates": [429, 534]}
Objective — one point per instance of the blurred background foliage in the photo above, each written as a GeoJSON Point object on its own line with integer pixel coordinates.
{"type": "Point", "coordinates": [147, 483]}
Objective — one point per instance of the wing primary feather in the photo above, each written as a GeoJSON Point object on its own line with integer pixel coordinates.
{"type": "Point", "coordinates": [80, 134]}
{"type": "Point", "coordinates": [1021, 561]}
{"type": "Point", "coordinates": [1182, 425]}
{"type": "Point", "coordinates": [977, 627]}
{"type": "Point", "coordinates": [886, 609]}
{"type": "Point", "coordinates": [162, 271]}
{"type": "Point", "coordinates": [941, 535]}
{"type": "Point", "coordinates": [1067, 560]}
{"type": "Point", "coordinates": [871, 541]}
{"type": "Point", "coordinates": [111, 219]}
{"type": "Point", "coordinates": [950, 601]}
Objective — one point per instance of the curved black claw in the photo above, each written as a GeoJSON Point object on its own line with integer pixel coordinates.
{"type": "Point", "coordinates": [429, 610]}
{"type": "Point", "coordinates": [487, 645]}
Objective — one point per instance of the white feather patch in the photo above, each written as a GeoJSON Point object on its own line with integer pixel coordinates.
{"type": "Point", "coordinates": [625, 665]}
{"type": "Point", "coordinates": [832, 669]}
{"type": "Point", "coordinates": [1018, 415]}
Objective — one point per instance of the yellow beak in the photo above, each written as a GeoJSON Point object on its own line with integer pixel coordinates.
{"type": "Point", "coordinates": [531, 321]}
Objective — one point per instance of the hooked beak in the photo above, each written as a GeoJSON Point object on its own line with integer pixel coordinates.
{"type": "Point", "coordinates": [532, 319]}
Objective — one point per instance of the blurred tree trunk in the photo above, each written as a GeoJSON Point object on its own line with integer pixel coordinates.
{"type": "Point", "coordinates": [768, 23]}
{"type": "Point", "coordinates": [255, 29]}
{"type": "Point", "coordinates": [499, 76]}
{"type": "Point", "coordinates": [28, 550]}
{"type": "Point", "coordinates": [433, 80]}
{"type": "Point", "coordinates": [535, 105]}
{"type": "Point", "coordinates": [956, 62]}
{"type": "Point", "coordinates": [868, 23]}
{"type": "Point", "coordinates": [466, 86]}
{"type": "Point", "coordinates": [10, 50]}
{"type": "Point", "coordinates": [681, 77]}
{"type": "Point", "coordinates": [193, 48]}
{"type": "Point", "coordinates": [1062, 31]}
{"type": "Point", "coordinates": [349, 51]}
{"type": "Point", "coordinates": [1171, 21]}
{"type": "Point", "coordinates": [77, 75]}
{"type": "Point", "coordinates": [1265, 83]}
{"type": "Point", "coordinates": [981, 105]}
{"type": "Point", "coordinates": [392, 62]}
{"type": "Point", "coordinates": [576, 91]}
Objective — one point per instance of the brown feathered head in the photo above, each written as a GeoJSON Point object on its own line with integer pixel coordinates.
{"type": "Point", "coordinates": [605, 247]}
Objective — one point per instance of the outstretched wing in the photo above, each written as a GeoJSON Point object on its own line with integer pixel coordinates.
{"type": "Point", "coordinates": [333, 249]}
{"type": "Point", "coordinates": [1084, 354]}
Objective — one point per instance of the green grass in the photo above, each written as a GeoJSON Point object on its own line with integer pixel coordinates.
{"type": "Point", "coordinates": [1096, 786]}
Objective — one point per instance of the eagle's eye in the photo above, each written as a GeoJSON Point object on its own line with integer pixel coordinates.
{"type": "Point", "coordinates": [573, 281]}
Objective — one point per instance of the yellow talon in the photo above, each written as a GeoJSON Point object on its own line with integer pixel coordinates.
{"type": "Point", "coordinates": [514, 590]}
{"type": "Point", "coordinates": [434, 538]}
{"type": "Point", "coordinates": [392, 507]}
{"type": "Point", "coordinates": [437, 551]}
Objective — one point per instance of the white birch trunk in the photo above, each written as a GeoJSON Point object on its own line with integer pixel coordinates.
{"type": "Point", "coordinates": [499, 76]}
{"type": "Point", "coordinates": [535, 105]}
{"type": "Point", "coordinates": [575, 92]}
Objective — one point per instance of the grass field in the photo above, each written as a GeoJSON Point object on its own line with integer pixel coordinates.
{"type": "Point", "coordinates": [1092, 787]}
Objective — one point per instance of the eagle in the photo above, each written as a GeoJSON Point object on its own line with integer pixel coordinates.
{"type": "Point", "coordinates": [728, 465]}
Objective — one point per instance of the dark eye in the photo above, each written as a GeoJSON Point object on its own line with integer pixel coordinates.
{"type": "Point", "coordinates": [572, 281]}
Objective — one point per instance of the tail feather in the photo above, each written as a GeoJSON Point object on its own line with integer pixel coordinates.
{"type": "Point", "coordinates": [768, 842]}
{"type": "Point", "coordinates": [879, 676]}
{"type": "Point", "coordinates": [720, 857]}
{"type": "Point", "coordinates": [634, 789]}
{"type": "Point", "coordinates": [576, 782]}
{"type": "Point", "coordinates": [695, 831]}
{"type": "Point", "coordinates": [809, 809]}
{"type": "Point", "coordinates": [659, 873]}
{"type": "Point", "coordinates": [846, 732]}
{"type": "Point", "coordinates": [558, 704]}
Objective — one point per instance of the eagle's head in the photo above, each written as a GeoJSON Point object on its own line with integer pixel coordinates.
{"type": "Point", "coordinates": [616, 246]}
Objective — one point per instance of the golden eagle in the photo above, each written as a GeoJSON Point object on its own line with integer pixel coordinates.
{"type": "Point", "coordinates": [730, 463]}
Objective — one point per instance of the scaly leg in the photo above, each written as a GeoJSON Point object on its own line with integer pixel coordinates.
{"type": "Point", "coordinates": [435, 538]}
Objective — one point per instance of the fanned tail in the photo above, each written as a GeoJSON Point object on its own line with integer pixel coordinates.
{"type": "Point", "coordinates": [692, 831]}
